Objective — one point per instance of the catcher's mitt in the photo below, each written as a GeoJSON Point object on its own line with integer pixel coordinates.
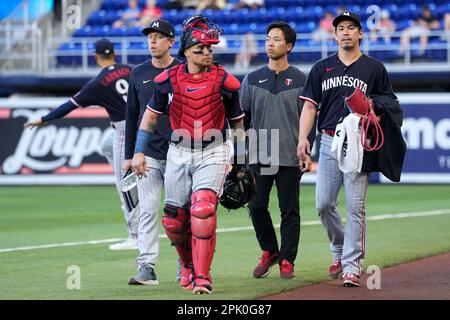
{"type": "Point", "coordinates": [238, 189]}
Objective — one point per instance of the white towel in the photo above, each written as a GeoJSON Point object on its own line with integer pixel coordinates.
{"type": "Point", "coordinates": [346, 141]}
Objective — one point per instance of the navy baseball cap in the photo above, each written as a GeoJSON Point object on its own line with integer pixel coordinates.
{"type": "Point", "coordinates": [161, 26]}
{"type": "Point", "coordinates": [347, 15]}
{"type": "Point", "coordinates": [104, 46]}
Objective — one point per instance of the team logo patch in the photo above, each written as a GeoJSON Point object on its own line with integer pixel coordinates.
{"type": "Point", "coordinates": [288, 82]}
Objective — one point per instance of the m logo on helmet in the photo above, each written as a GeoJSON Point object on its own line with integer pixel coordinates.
{"type": "Point", "coordinates": [155, 24]}
{"type": "Point", "coordinates": [346, 13]}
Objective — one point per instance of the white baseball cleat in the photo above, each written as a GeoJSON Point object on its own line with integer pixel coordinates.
{"type": "Point", "coordinates": [128, 244]}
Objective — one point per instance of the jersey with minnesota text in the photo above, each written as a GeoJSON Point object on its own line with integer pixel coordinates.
{"type": "Point", "coordinates": [142, 87]}
{"type": "Point", "coordinates": [109, 89]}
{"type": "Point", "coordinates": [330, 82]}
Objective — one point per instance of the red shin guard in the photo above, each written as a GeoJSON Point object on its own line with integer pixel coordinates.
{"type": "Point", "coordinates": [203, 223]}
{"type": "Point", "coordinates": [176, 222]}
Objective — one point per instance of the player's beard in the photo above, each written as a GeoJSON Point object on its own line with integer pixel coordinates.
{"type": "Point", "coordinates": [201, 65]}
{"type": "Point", "coordinates": [348, 46]}
{"type": "Point", "coordinates": [205, 65]}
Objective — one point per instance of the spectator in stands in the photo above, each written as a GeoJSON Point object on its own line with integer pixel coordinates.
{"type": "Point", "coordinates": [211, 4]}
{"type": "Point", "coordinates": [190, 4]}
{"type": "Point", "coordinates": [130, 16]}
{"type": "Point", "coordinates": [249, 46]}
{"type": "Point", "coordinates": [326, 29]}
{"type": "Point", "coordinates": [248, 51]}
{"type": "Point", "coordinates": [421, 28]}
{"type": "Point", "coordinates": [250, 4]}
{"type": "Point", "coordinates": [384, 29]}
{"type": "Point", "coordinates": [174, 4]}
{"type": "Point", "coordinates": [151, 12]}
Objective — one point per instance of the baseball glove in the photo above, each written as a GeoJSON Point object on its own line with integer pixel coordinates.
{"type": "Point", "coordinates": [361, 105]}
{"type": "Point", "coordinates": [238, 189]}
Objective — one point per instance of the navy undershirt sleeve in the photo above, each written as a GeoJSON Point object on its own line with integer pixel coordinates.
{"type": "Point", "coordinates": [159, 101]}
{"type": "Point", "coordinates": [132, 116]}
{"type": "Point", "coordinates": [59, 112]}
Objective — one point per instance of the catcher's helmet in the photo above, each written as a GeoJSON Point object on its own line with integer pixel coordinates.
{"type": "Point", "coordinates": [238, 189]}
{"type": "Point", "coordinates": [198, 29]}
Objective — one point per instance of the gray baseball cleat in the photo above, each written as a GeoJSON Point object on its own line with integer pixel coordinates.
{"type": "Point", "coordinates": [146, 276]}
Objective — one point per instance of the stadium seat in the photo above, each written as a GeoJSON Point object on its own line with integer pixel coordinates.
{"type": "Point", "coordinates": [303, 15]}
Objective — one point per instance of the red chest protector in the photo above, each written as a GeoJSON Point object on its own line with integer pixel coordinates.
{"type": "Point", "coordinates": [196, 102]}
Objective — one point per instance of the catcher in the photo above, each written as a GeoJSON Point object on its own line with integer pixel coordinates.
{"type": "Point", "coordinates": [198, 96]}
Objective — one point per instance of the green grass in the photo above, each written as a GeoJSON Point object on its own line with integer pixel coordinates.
{"type": "Point", "coordinates": [43, 215]}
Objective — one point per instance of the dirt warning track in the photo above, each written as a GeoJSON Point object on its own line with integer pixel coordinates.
{"type": "Point", "coordinates": [424, 279]}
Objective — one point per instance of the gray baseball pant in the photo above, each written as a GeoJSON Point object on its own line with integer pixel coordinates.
{"type": "Point", "coordinates": [347, 245]}
{"type": "Point", "coordinates": [149, 190]}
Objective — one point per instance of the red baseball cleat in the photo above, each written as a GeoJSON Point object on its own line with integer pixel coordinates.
{"type": "Point", "coordinates": [187, 276]}
{"type": "Point", "coordinates": [202, 286]}
{"type": "Point", "coordinates": [351, 280]}
{"type": "Point", "coordinates": [266, 262]}
{"type": "Point", "coordinates": [335, 269]}
{"type": "Point", "coordinates": [287, 270]}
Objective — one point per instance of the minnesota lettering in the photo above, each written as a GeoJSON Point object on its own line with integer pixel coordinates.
{"type": "Point", "coordinates": [345, 81]}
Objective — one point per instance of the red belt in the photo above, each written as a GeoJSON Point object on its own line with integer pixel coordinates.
{"type": "Point", "coordinates": [329, 132]}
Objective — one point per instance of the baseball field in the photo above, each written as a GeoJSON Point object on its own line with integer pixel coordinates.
{"type": "Point", "coordinates": [45, 231]}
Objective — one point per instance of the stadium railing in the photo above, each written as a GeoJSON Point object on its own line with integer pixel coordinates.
{"type": "Point", "coordinates": [50, 55]}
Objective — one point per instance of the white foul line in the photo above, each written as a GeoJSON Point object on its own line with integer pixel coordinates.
{"type": "Point", "coordinates": [236, 229]}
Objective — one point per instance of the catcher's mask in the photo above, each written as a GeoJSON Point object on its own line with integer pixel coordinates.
{"type": "Point", "coordinates": [198, 29]}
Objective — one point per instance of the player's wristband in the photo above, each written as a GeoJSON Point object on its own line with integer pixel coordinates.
{"type": "Point", "coordinates": [142, 140]}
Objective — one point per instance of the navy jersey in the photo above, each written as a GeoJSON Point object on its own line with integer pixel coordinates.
{"type": "Point", "coordinates": [109, 89]}
{"type": "Point", "coordinates": [330, 82]}
{"type": "Point", "coordinates": [140, 92]}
